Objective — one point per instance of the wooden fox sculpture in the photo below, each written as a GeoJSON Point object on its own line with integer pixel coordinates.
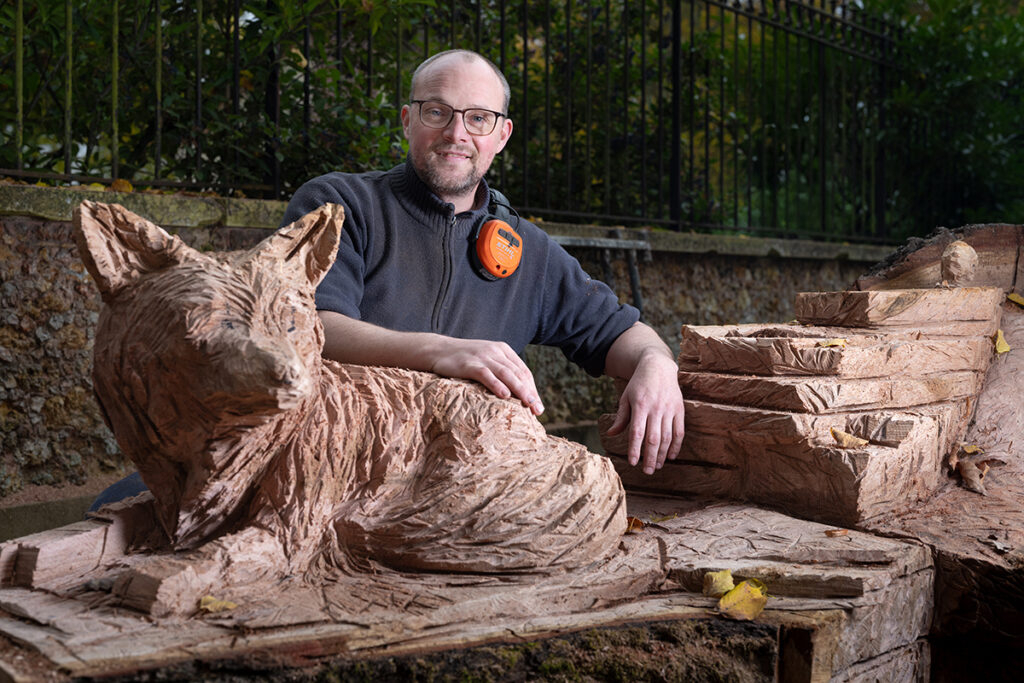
{"type": "Point", "coordinates": [208, 370]}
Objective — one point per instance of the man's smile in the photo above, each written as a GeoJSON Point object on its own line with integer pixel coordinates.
{"type": "Point", "coordinates": [453, 154]}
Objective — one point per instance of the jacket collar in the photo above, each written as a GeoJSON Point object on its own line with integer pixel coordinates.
{"type": "Point", "coordinates": [422, 202]}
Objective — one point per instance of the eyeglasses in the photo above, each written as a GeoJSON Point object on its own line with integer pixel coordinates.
{"type": "Point", "coordinates": [439, 115]}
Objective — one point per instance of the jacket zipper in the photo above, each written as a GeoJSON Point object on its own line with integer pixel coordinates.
{"type": "Point", "coordinates": [446, 273]}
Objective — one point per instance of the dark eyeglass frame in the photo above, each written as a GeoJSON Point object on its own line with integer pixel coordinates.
{"type": "Point", "coordinates": [497, 115]}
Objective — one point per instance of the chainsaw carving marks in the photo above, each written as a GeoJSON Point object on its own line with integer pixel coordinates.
{"type": "Point", "coordinates": [897, 369]}
{"type": "Point", "coordinates": [265, 460]}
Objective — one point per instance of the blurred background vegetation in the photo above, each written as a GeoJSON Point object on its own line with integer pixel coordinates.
{"type": "Point", "coordinates": [869, 120]}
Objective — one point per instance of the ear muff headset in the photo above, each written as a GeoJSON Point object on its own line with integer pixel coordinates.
{"type": "Point", "coordinates": [496, 248]}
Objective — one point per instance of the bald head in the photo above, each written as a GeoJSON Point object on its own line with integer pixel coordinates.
{"type": "Point", "coordinates": [448, 57]}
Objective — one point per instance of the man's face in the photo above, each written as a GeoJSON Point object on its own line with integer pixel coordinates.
{"type": "Point", "coordinates": [450, 160]}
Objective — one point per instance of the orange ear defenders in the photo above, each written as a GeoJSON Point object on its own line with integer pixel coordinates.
{"type": "Point", "coordinates": [498, 249]}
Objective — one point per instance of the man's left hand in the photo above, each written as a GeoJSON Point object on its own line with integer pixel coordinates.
{"type": "Point", "coordinates": [651, 406]}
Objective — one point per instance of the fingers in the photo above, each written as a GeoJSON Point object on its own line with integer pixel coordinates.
{"type": "Point", "coordinates": [655, 439]}
{"type": "Point", "coordinates": [621, 420]}
{"type": "Point", "coordinates": [515, 377]}
{"type": "Point", "coordinates": [656, 412]}
{"type": "Point", "coordinates": [496, 366]}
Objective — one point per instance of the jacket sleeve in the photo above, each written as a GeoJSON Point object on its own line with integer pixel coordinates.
{"type": "Point", "coordinates": [341, 290]}
{"type": "Point", "coordinates": [580, 315]}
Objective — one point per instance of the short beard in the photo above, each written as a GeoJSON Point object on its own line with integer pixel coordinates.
{"type": "Point", "coordinates": [447, 188]}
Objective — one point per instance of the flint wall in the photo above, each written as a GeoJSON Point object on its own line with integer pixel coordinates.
{"type": "Point", "coordinates": [51, 430]}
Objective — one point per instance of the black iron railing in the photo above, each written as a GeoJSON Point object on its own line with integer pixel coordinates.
{"type": "Point", "coordinates": [764, 117]}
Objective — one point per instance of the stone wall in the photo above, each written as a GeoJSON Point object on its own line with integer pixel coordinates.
{"type": "Point", "coordinates": [52, 432]}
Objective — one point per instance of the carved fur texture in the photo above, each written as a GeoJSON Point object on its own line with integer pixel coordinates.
{"type": "Point", "coordinates": [208, 369]}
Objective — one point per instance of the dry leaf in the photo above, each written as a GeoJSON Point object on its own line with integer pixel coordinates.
{"type": "Point", "coordinates": [717, 584]}
{"type": "Point", "coordinates": [120, 185]}
{"type": "Point", "coordinates": [210, 604]}
{"type": "Point", "coordinates": [832, 342]}
{"type": "Point", "coordinates": [971, 449]}
{"type": "Point", "coordinates": [972, 476]}
{"type": "Point", "coordinates": [845, 440]}
{"type": "Point", "coordinates": [665, 518]}
{"type": "Point", "coordinates": [954, 458]}
{"type": "Point", "coordinates": [1001, 345]}
{"type": "Point", "coordinates": [1016, 298]}
{"type": "Point", "coordinates": [634, 524]}
{"type": "Point", "coordinates": [745, 601]}
{"type": "Point", "coordinates": [832, 533]}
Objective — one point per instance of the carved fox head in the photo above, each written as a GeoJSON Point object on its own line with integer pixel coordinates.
{"type": "Point", "coordinates": [193, 349]}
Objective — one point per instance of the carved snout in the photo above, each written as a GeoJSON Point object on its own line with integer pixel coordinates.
{"type": "Point", "coordinates": [266, 377]}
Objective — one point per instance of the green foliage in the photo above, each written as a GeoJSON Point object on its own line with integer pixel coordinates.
{"type": "Point", "coordinates": [958, 112]}
{"type": "Point", "coordinates": [777, 132]}
{"type": "Point", "coordinates": [248, 132]}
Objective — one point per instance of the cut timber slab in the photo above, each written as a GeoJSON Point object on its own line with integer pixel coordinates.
{"type": "Point", "coordinates": [978, 540]}
{"type": "Point", "coordinates": [899, 307]}
{"type": "Point", "coordinates": [1000, 261]}
{"type": "Point", "coordinates": [791, 460]}
{"type": "Point", "coordinates": [798, 350]}
{"type": "Point", "coordinates": [828, 394]}
{"type": "Point", "coordinates": [838, 603]}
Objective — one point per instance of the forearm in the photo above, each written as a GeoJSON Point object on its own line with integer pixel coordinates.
{"type": "Point", "coordinates": [493, 364]}
{"type": "Point", "coordinates": [347, 340]}
{"type": "Point", "coordinates": [638, 343]}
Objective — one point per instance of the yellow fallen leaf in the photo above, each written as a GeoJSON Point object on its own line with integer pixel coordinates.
{"type": "Point", "coordinates": [845, 440]}
{"type": "Point", "coordinates": [832, 342]}
{"type": "Point", "coordinates": [120, 185]}
{"type": "Point", "coordinates": [745, 601]}
{"type": "Point", "coordinates": [970, 449]}
{"type": "Point", "coordinates": [634, 524]}
{"type": "Point", "coordinates": [717, 584]}
{"type": "Point", "coordinates": [1001, 345]}
{"type": "Point", "coordinates": [1016, 298]}
{"type": "Point", "coordinates": [210, 604]}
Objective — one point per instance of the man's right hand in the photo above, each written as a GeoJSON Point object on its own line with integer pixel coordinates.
{"type": "Point", "coordinates": [494, 364]}
{"type": "Point", "coordinates": [491, 363]}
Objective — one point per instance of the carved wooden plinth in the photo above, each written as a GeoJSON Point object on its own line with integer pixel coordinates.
{"type": "Point", "coordinates": [843, 604]}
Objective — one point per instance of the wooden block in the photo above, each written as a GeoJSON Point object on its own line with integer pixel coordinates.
{"type": "Point", "coordinates": [8, 554]}
{"type": "Point", "coordinates": [997, 247]}
{"type": "Point", "coordinates": [51, 556]}
{"type": "Point", "coordinates": [978, 540]}
{"type": "Point", "coordinates": [804, 352]}
{"type": "Point", "coordinates": [884, 585]}
{"type": "Point", "coordinates": [828, 394]}
{"type": "Point", "coordinates": [899, 307]}
{"type": "Point", "coordinates": [791, 461]}
{"type": "Point", "coordinates": [910, 663]}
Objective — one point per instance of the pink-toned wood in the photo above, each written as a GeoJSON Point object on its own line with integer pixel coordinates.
{"type": "Point", "coordinates": [942, 305]}
{"type": "Point", "coordinates": [979, 540]}
{"type": "Point", "coordinates": [798, 350]}
{"type": "Point", "coordinates": [265, 460]}
{"type": "Point", "coordinates": [959, 264]}
{"type": "Point", "coordinates": [791, 462]}
{"type": "Point", "coordinates": [830, 394]}
{"type": "Point", "coordinates": [855, 598]}
{"type": "Point", "coordinates": [920, 265]}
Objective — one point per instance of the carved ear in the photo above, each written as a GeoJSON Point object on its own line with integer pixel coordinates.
{"type": "Point", "coordinates": [118, 246]}
{"type": "Point", "coordinates": [309, 245]}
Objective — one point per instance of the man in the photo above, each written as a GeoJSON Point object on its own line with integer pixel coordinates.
{"type": "Point", "coordinates": [404, 291]}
